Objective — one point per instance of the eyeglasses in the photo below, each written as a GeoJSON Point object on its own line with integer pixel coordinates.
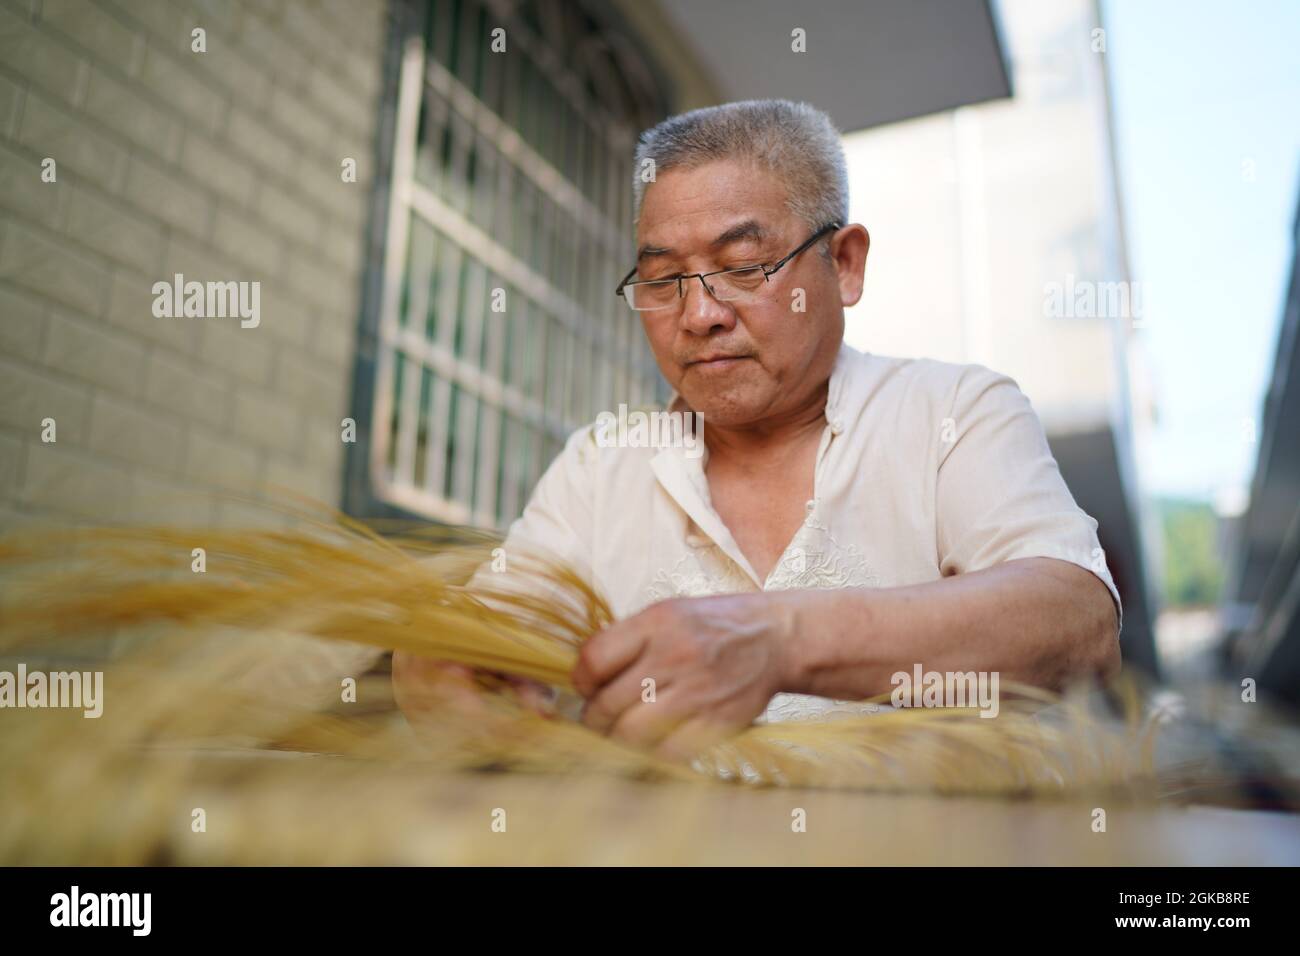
{"type": "Point", "coordinates": [725, 285]}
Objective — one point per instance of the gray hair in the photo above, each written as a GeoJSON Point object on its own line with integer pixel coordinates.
{"type": "Point", "coordinates": [795, 141]}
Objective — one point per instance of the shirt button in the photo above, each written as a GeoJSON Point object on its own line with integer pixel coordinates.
{"type": "Point", "coordinates": [837, 426]}
{"type": "Point", "coordinates": [810, 505]}
{"type": "Point", "coordinates": [695, 540]}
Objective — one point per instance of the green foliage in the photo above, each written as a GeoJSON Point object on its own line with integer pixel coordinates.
{"type": "Point", "coordinates": [1193, 566]}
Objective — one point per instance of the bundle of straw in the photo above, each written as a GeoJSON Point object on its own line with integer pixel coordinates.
{"type": "Point", "coordinates": [248, 655]}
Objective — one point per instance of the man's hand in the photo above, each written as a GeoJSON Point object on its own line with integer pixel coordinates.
{"type": "Point", "coordinates": [424, 688]}
{"type": "Point", "coordinates": [715, 662]}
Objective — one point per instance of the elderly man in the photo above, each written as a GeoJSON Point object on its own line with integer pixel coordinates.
{"type": "Point", "coordinates": [851, 516]}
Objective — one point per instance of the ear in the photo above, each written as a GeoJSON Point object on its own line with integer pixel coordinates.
{"type": "Point", "coordinates": [849, 251]}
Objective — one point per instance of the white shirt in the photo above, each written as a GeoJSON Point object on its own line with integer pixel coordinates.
{"type": "Point", "coordinates": [925, 469]}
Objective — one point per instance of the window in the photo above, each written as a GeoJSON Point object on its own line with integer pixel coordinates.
{"type": "Point", "coordinates": [508, 224]}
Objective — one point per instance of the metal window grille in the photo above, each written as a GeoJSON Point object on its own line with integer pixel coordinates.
{"type": "Point", "coordinates": [509, 220]}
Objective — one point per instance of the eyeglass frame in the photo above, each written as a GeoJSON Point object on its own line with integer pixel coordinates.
{"type": "Point", "coordinates": [767, 273]}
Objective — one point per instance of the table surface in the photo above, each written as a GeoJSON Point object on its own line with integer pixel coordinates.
{"type": "Point", "coordinates": [415, 815]}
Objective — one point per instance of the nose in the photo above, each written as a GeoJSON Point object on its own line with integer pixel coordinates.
{"type": "Point", "coordinates": [702, 314]}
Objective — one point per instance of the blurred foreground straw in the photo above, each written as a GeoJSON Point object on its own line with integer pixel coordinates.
{"type": "Point", "coordinates": [222, 694]}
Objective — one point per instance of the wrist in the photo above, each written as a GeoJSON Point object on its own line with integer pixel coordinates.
{"type": "Point", "coordinates": [788, 614]}
{"type": "Point", "coordinates": [824, 644]}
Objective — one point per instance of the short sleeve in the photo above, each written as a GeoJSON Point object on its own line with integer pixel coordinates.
{"type": "Point", "coordinates": [999, 494]}
{"type": "Point", "coordinates": [557, 522]}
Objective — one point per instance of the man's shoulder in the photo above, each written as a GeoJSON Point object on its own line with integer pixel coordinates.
{"type": "Point", "coordinates": [630, 437]}
{"type": "Point", "coordinates": [917, 383]}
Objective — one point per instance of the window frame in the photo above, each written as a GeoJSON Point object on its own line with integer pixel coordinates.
{"type": "Point", "coordinates": [401, 470]}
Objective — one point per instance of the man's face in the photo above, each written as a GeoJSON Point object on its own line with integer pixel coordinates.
{"type": "Point", "coordinates": [740, 363]}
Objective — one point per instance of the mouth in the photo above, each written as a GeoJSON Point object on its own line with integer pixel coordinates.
{"type": "Point", "coordinates": [717, 361]}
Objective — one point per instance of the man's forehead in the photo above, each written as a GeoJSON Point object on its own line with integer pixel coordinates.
{"type": "Point", "coordinates": [708, 235]}
{"type": "Point", "coordinates": [695, 204]}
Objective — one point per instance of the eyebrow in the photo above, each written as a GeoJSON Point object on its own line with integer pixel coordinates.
{"type": "Point", "coordinates": [750, 229]}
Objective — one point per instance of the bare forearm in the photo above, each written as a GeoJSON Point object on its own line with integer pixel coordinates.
{"type": "Point", "coordinates": [1037, 621]}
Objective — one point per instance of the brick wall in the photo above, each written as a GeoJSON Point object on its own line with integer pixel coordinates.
{"type": "Point", "coordinates": [223, 165]}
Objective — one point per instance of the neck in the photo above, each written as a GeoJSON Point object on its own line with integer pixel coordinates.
{"type": "Point", "coordinates": [764, 440]}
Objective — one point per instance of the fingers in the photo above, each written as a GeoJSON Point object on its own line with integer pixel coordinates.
{"type": "Point", "coordinates": [424, 687]}
{"type": "Point", "coordinates": [642, 726]}
{"type": "Point", "coordinates": [672, 738]}
{"type": "Point", "coordinates": [536, 696]}
{"type": "Point", "coordinates": [611, 701]}
{"type": "Point", "coordinates": [691, 738]}
{"type": "Point", "coordinates": [662, 730]}
{"type": "Point", "coordinates": [416, 678]}
{"type": "Point", "coordinates": [608, 653]}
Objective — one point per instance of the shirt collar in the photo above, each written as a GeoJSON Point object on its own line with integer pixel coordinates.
{"type": "Point", "coordinates": [684, 478]}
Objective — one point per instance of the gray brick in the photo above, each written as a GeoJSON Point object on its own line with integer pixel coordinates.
{"type": "Point", "coordinates": [322, 438]}
{"type": "Point", "coordinates": [353, 52]}
{"type": "Point", "coordinates": [241, 514]}
{"type": "Point", "coordinates": [130, 306]}
{"type": "Point", "coordinates": [310, 127]}
{"type": "Point", "coordinates": [267, 43]}
{"type": "Point", "coordinates": [363, 23]}
{"type": "Point", "coordinates": [168, 21]}
{"type": "Point", "coordinates": [241, 237]}
{"type": "Point", "coordinates": [222, 16]}
{"type": "Point", "coordinates": [301, 478]}
{"type": "Point", "coordinates": [113, 231]}
{"type": "Point", "coordinates": [24, 192]}
{"type": "Point", "coordinates": [261, 12]}
{"type": "Point", "coordinates": [306, 380]}
{"type": "Point", "coordinates": [334, 338]}
{"type": "Point", "coordinates": [11, 465]}
{"type": "Point", "coordinates": [95, 352]}
{"type": "Point", "coordinates": [342, 255]}
{"type": "Point", "coordinates": [286, 314]}
{"type": "Point", "coordinates": [222, 463]}
{"type": "Point", "coordinates": [115, 106]}
{"type": "Point", "coordinates": [233, 175]}
{"type": "Point", "coordinates": [365, 76]}
{"type": "Point", "coordinates": [202, 263]}
{"type": "Point", "coordinates": [11, 519]}
{"type": "Point", "coordinates": [359, 73]}
{"type": "Point", "coordinates": [22, 323]}
{"type": "Point", "coordinates": [171, 502]}
{"type": "Point", "coordinates": [217, 168]}
{"type": "Point", "coordinates": [184, 88]}
{"type": "Point", "coordinates": [29, 259]}
{"type": "Point", "coordinates": [260, 142]}
{"type": "Point", "coordinates": [344, 243]}
{"type": "Point", "coordinates": [356, 145]}
{"type": "Point", "coordinates": [187, 390]}
{"type": "Point", "coordinates": [69, 481]}
{"type": "Point", "coordinates": [301, 24]}
{"type": "Point", "coordinates": [28, 396]}
{"type": "Point", "coordinates": [289, 214]}
{"type": "Point", "coordinates": [341, 205]}
{"type": "Point", "coordinates": [244, 353]}
{"type": "Point", "coordinates": [341, 99]}
{"type": "Point", "coordinates": [94, 28]}
{"type": "Point", "coordinates": [166, 197]}
{"type": "Point", "coordinates": [239, 76]}
{"type": "Point", "coordinates": [11, 101]}
{"type": "Point", "coordinates": [50, 130]}
{"type": "Point", "coordinates": [39, 58]}
{"type": "Point", "coordinates": [319, 283]}
{"type": "Point", "coordinates": [121, 429]}
{"type": "Point", "coordinates": [268, 419]}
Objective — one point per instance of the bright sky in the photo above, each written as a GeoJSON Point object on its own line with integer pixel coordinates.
{"type": "Point", "coordinates": [1207, 110]}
